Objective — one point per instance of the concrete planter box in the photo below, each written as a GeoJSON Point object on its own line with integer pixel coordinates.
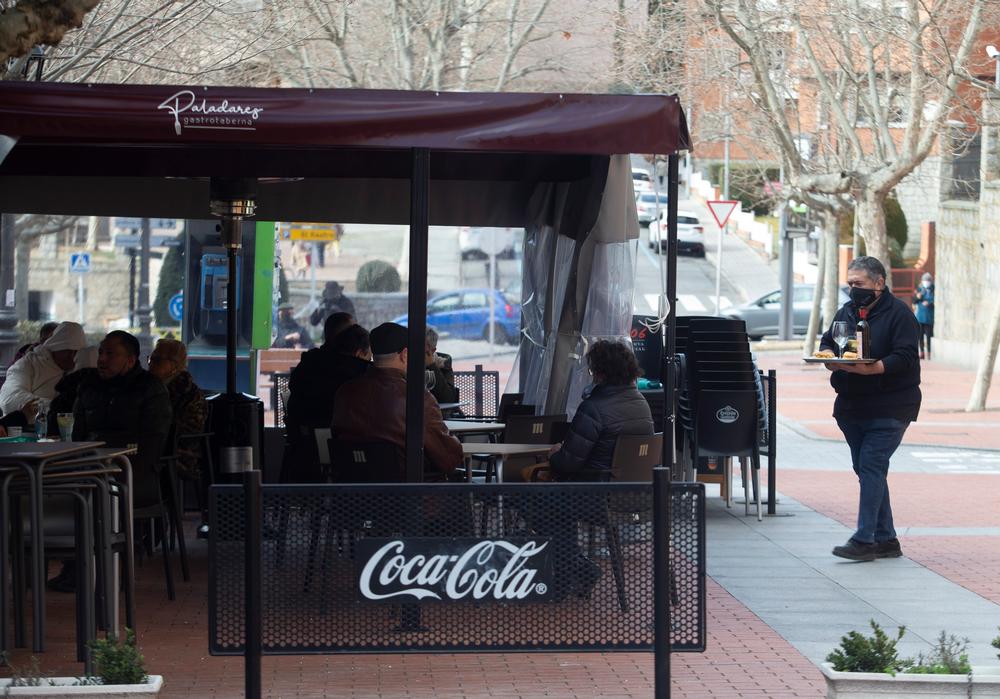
{"type": "Point", "coordinates": [66, 687]}
{"type": "Point", "coordinates": [873, 685]}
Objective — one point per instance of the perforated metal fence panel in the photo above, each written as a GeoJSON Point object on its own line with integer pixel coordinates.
{"type": "Point", "coordinates": [454, 567]}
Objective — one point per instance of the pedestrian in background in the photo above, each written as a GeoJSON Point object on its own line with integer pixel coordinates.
{"type": "Point", "coordinates": [923, 301]}
{"type": "Point", "coordinates": [875, 402]}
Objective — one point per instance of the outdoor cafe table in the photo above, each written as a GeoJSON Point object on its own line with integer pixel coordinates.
{"type": "Point", "coordinates": [33, 458]}
{"type": "Point", "coordinates": [461, 428]}
{"type": "Point", "coordinates": [500, 451]}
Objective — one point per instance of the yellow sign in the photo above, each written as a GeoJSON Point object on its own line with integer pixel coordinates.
{"type": "Point", "coordinates": [328, 233]}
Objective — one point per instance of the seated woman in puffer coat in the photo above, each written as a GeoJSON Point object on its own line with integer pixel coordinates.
{"type": "Point", "coordinates": [611, 406]}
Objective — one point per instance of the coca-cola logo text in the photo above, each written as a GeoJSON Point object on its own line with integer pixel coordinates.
{"type": "Point", "coordinates": [426, 568]}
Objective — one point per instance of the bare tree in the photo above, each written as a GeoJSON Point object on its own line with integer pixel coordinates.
{"type": "Point", "coordinates": [29, 23]}
{"type": "Point", "coordinates": [883, 78]}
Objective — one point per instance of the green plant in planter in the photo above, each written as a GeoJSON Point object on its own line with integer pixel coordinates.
{"type": "Point", "coordinates": [875, 653]}
{"type": "Point", "coordinates": [24, 677]}
{"type": "Point", "coordinates": [119, 663]}
{"type": "Point", "coordinates": [996, 643]}
{"type": "Point", "coordinates": [947, 657]}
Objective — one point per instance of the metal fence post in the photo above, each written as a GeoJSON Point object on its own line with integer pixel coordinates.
{"type": "Point", "coordinates": [661, 582]}
{"type": "Point", "coordinates": [772, 441]}
{"type": "Point", "coordinates": [479, 390]}
{"type": "Point", "coordinates": [253, 623]}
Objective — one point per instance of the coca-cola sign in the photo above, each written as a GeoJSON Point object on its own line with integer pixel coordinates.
{"type": "Point", "coordinates": [454, 570]}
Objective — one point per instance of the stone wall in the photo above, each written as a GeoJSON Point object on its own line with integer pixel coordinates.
{"type": "Point", "coordinates": [919, 196]}
{"type": "Point", "coordinates": [968, 261]}
{"type": "Point", "coordinates": [968, 276]}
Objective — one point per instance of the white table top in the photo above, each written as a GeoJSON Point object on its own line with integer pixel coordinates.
{"type": "Point", "coordinates": [504, 449]}
{"type": "Point", "coordinates": [472, 427]}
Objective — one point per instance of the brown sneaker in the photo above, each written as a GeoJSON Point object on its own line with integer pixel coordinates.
{"type": "Point", "coordinates": [888, 549]}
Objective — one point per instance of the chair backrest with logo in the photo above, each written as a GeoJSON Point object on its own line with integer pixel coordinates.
{"type": "Point", "coordinates": [365, 462]}
{"type": "Point", "coordinates": [726, 423]}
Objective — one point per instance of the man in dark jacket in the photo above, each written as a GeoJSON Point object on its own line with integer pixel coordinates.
{"type": "Point", "coordinates": [312, 386]}
{"type": "Point", "coordinates": [121, 404]}
{"type": "Point", "coordinates": [373, 407]}
{"type": "Point", "coordinates": [875, 402]}
{"type": "Point", "coordinates": [288, 333]}
{"type": "Point", "coordinates": [124, 404]}
{"type": "Point", "coordinates": [438, 370]}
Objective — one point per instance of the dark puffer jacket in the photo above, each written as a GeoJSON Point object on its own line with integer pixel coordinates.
{"type": "Point", "coordinates": [603, 415]}
{"type": "Point", "coordinates": [130, 409]}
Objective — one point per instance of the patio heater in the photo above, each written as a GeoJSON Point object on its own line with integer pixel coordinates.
{"type": "Point", "coordinates": [237, 418]}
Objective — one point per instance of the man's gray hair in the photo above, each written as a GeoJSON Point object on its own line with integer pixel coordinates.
{"type": "Point", "coordinates": [870, 266]}
{"type": "Point", "coordinates": [431, 335]}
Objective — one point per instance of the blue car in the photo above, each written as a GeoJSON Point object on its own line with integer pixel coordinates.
{"type": "Point", "coordinates": [465, 314]}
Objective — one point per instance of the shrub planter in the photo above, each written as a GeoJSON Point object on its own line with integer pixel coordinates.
{"type": "Point", "coordinates": [54, 687]}
{"type": "Point", "coordinates": [985, 683]}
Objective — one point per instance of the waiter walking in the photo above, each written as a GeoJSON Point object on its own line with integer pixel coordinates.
{"type": "Point", "coordinates": [875, 402]}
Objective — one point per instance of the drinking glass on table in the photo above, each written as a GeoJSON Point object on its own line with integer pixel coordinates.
{"type": "Point", "coordinates": [840, 335]}
{"type": "Point", "coordinates": [65, 421]}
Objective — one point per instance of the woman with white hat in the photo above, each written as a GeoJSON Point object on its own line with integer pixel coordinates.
{"type": "Point", "coordinates": [35, 375]}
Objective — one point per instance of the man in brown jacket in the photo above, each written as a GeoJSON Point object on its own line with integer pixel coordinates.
{"type": "Point", "coordinates": [372, 407]}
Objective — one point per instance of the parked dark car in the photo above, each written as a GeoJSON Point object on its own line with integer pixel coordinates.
{"type": "Point", "coordinates": [761, 315]}
{"type": "Point", "coordinates": [465, 314]}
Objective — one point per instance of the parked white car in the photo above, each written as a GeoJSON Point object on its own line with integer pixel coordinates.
{"type": "Point", "coordinates": [641, 181]}
{"type": "Point", "coordinates": [690, 234]}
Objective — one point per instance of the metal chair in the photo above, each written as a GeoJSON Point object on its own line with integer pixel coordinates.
{"type": "Point", "coordinates": [726, 426]}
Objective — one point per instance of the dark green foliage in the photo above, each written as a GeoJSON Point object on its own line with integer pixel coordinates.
{"type": "Point", "coordinates": [746, 183]}
{"type": "Point", "coordinates": [947, 657]}
{"type": "Point", "coordinates": [378, 276]}
{"type": "Point", "coordinates": [171, 282]}
{"type": "Point", "coordinates": [875, 653]}
{"type": "Point", "coordinates": [896, 229]}
{"type": "Point", "coordinates": [996, 644]}
{"type": "Point", "coordinates": [119, 663]}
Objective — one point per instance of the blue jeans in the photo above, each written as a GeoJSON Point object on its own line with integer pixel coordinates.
{"type": "Point", "coordinates": [873, 442]}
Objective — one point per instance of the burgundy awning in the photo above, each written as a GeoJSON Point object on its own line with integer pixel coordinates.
{"type": "Point", "coordinates": [337, 155]}
{"type": "Point", "coordinates": [508, 122]}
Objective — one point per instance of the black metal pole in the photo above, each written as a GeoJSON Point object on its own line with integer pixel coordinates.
{"type": "Point", "coordinates": [417, 318]}
{"type": "Point", "coordinates": [669, 385]}
{"type": "Point", "coordinates": [772, 441]}
{"type": "Point", "coordinates": [8, 312]}
{"type": "Point", "coordinates": [231, 253]}
{"type": "Point", "coordinates": [661, 582]}
{"type": "Point", "coordinates": [142, 310]}
{"type": "Point", "coordinates": [253, 611]}
{"type": "Point", "coordinates": [131, 287]}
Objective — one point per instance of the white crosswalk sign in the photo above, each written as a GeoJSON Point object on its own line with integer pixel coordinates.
{"type": "Point", "coordinates": [79, 262]}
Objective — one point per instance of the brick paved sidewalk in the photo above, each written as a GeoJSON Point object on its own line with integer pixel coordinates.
{"type": "Point", "coordinates": [745, 658]}
{"type": "Point", "coordinates": [806, 399]}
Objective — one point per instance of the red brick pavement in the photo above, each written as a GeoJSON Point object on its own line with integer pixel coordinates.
{"type": "Point", "coordinates": [921, 500]}
{"type": "Point", "coordinates": [745, 658]}
{"type": "Point", "coordinates": [805, 397]}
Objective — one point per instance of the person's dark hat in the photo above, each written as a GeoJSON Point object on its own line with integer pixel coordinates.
{"type": "Point", "coordinates": [286, 307]}
{"type": "Point", "coordinates": [388, 338]}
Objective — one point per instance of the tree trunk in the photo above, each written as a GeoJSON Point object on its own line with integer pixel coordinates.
{"type": "Point", "coordinates": [809, 346]}
{"type": "Point", "coordinates": [93, 224]}
{"type": "Point", "coordinates": [831, 297]}
{"type": "Point", "coordinates": [984, 376]}
{"type": "Point", "coordinates": [22, 261]}
{"type": "Point", "coordinates": [871, 219]}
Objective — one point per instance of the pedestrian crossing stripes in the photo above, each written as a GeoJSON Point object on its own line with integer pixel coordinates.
{"type": "Point", "coordinates": [965, 461]}
{"type": "Point", "coordinates": [687, 304]}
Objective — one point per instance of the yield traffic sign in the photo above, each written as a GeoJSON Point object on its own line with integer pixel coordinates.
{"type": "Point", "coordinates": [722, 210]}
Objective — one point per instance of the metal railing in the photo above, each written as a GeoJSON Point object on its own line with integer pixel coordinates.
{"type": "Point", "coordinates": [455, 568]}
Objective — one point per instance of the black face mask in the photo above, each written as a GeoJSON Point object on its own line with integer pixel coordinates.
{"type": "Point", "coordinates": [862, 297]}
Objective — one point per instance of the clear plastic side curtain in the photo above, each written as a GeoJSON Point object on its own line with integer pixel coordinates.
{"type": "Point", "coordinates": [578, 282]}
